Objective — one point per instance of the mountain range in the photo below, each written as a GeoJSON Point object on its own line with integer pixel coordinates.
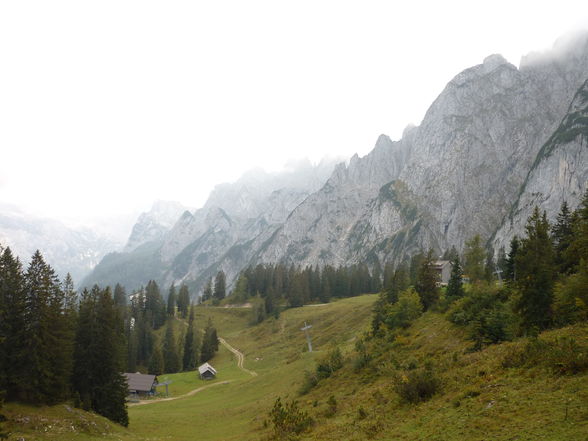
{"type": "Point", "coordinates": [498, 140]}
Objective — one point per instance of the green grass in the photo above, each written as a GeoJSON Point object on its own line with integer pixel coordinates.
{"type": "Point", "coordinates": [479, 398]}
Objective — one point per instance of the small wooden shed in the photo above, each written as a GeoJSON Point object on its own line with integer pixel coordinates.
{"type": "Point", "coordinates": [140, 384]}
{"type": "Point", "coordinates": [206, 372]}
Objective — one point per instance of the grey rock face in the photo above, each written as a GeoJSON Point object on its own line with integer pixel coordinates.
{"type": "Point", "coordinates": [559, 173]}
{"type": "Point", "coordinates": [454, 176]}
{"type": "Point", "coordinates": [154, 224]}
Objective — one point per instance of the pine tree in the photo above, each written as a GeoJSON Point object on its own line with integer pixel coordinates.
{"type": "Point", "coordinates": [426, 283]}
{"type": "Point", "coordinates": [219, 286]}
{"type": "Point", "coordinates": [171, 301]}
{"type": "Point", "coordinates": [207, 293]}
{"type": "Point", "coordinates": [190, 345]}
{"type": "Point", "coordinates": [97, 361]}
{"type": "Point", "coordinates": [474, 256]}
{"type": "Point", "coordinates": [120, 296]}
{"type": "Point", "coordinates": [156, 362]}
{"type": "Point", "coordinates": [46, 337]}
{"type": "Point", "coordinates": [455, 285]}
{"type": "Point", "coordinates": [171, 358]}
{"type": "Point", "coordinates": [154, 304]}
{"type": "Point", "coordinates": [535, 274]}
{"type": "Point", "coordinates": [13, 349]}
{"type": "Point", "coordinates": [510, 273]}
{"type": "Point", "coordinates": [209, 343]}
{"type": "Point", "coordinates": [184, 301]}
{"type": "Point", "coordinates": [397, 283]}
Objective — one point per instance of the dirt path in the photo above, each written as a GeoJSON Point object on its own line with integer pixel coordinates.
{"type": "Point", "coordinates": [240, 356]}
{"type": "Point", "coordinates": [189, 394]}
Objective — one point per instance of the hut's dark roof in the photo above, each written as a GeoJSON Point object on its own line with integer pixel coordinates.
{"type": "Point", "coordinates": [140, 382]}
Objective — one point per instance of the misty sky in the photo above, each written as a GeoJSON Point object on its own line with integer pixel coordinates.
{"type": "Point", "coordinates": [106, 106]}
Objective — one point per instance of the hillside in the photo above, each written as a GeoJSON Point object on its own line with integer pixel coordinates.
{"type": "Point", "coordinates": [479, 397]}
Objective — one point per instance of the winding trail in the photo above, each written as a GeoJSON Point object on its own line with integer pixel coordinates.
{"type": "Point", "coordinates": [189, 394]}
{"type": "Point", "coordinates": [240, 357]}
{"type": "Point", "coordinates": [240, 361]}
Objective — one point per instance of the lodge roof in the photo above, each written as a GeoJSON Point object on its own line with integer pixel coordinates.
{"type": "Point", "coordinates": [139, 382]}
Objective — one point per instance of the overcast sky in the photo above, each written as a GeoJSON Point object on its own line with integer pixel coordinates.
{"type": "Point", "coordinates": [106, 106]}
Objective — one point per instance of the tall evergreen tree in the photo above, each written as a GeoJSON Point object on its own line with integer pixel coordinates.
{"type": "Point", "coordinates": [154, 305]}
{"type": "Point", "coordinates": [399, 281]}
{"type": "Point", "coordinates": [474, 256]}
{"type": "Point", "coordinates": [171, 301]}
{"type": "Point", "coordinates": [209, 343]}
{"type": "Point", "coordinates": [97, 362]}
{"type": "Point", "coordinates": [190, 357]}
{"type": "Point", "coordinates": [120, 296]}
{"type": "Point", "coordinates": [207, 292]}
{"type": "Point", "coordinates": [171, 357]}
{"type": "Point", "coordinates": [426, 283]}
{"type": "Point", "coordinates": [220, 288]}
{"type": "Point", "coordinates": [535, 274]}
{"type": "Point", "coordinates": [156, 362]}
{"type": "Point", "coordinates": [183, 301]}
{"type": "Point", "coordinates": [455, 285]}
{"type": "Point", "coordinates": [13, 349]}
{"type": "Point", "coordinates": [510, 273]}
{"type": "Point", "coordinates": [47, 364]}
{"type": "Point", "coordinates": [578, 248]}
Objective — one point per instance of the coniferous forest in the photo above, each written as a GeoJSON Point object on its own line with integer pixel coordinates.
{"type": "Point", "coordinates": [59, 345]}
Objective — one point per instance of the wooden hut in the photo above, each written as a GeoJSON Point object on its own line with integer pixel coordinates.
{"type": "Point", "coordinates": [207, 372]}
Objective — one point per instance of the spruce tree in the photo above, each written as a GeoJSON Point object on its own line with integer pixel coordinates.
{"type": "Point", "coordinates": [474, 256]}
{"type": "Point", "coordinates": [207, 292]}
{"type": "Point", "coordinates": [535, 274]}
{"type": "Point", "coordinates": [209, 343]}
{"type": "Point", "coordinates": [455, 285]}
{"type": "Point", "coordinates": [578, 248]}
{"type": "Point", "coordinates": [220, 287]}
{"type": "Point", "coordinates": [510, 273]}
{"type": "Point", "coordinates": [426, 283]}
{"type": "Point", "coordinates": [190, 346]}
{"type": "Point", "coordinates": [13, 349]}
{"type": "Point", "coordinates": [171, 358]}
{"type": "Point", "coordinates": [120, 296]}
{"type": "Point", "coordinates": [184, 301]}
{"type": "Point", "coordinates": [171, 301]}
{"type": "Point", "coordinates": [156, 362]}
{"type": "Point", "coordinates": [97, 361]}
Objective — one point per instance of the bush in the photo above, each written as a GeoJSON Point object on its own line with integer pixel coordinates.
{"type": "Point", "coordinates": [417, 386]}
{"type": "Point", "coordinates": [363, 357]}
{"type": "Point", "coordinates": [405, 310]}
{"type": "Point", "coordinates": [288, 419]}
{"type": "Point", "coordinates": [571, 298]}
{"type": "Point", "coordinates": [485, 313]}
{"type": "Point", "coordinates": [331, 363]}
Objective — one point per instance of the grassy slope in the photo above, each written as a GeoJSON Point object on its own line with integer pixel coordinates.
{"type": "Point", "coordinates": [479, 399]}
{"type": "Point", "coordinates": [235, 411]}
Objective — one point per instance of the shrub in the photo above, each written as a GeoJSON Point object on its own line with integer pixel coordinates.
{"type": "Point", "coordinates": [288, 419]}
{"type": "Point", "coordinates": [417, 386]}
{"type": "Point", "coordinates": [571, 297]}
{"type": "Point", "coordinates": [405, 310]}
{"type": "Point", "coordinates": [331, 363]}
{"type": "Point", "coordinates": [485, 313]}
{"type": "Point", "coordinates": [331, 407]}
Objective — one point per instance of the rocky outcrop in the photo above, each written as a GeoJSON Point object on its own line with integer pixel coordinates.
{"type": "Point", "coordinates": [154, 224]}
{"type": "Point", "coordinates": [559, 173]}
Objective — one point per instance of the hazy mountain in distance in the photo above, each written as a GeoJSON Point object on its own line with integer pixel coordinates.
{"type": "Point", "coordinates": [73, 250]}
{"type": "Point", "coordinates": [497, 140]}
{"type": "Point", "coordinates": [235, 213]}
{"type": "Point", "coordinates": [153, 224]}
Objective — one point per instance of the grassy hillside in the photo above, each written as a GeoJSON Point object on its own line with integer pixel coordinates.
{"type": "Point", "coordinates": [479, 398]}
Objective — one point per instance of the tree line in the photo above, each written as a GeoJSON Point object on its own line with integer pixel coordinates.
{"type": "Point", "coordinates": [53, 347]}
{"type": "Point", "coordinates": [540, 283]}
{"type": "Point", "coordinates": [59, 345]}
{"type": "Point", "coordinates": [278, 285]}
